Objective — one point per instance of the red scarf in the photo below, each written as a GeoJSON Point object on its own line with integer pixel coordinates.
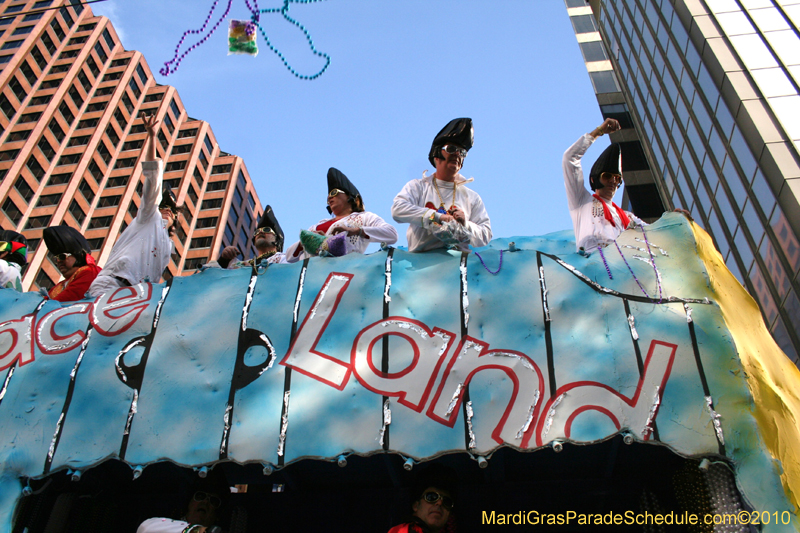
{"type": "Point", "coordinates": [622, 216]}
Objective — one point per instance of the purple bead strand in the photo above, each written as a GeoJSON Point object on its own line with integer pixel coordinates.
{"type": "Point", "coordinates": [603, 257]}
{"type": "Point", "coordinates": [166, 70]}
{"type": "Point", "coordinates": [487, 268]}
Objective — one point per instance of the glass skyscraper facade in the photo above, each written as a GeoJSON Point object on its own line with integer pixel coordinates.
{"type": "Point", "coordinates": [709, 91]}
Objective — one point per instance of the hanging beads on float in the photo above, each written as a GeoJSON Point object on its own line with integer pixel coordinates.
{"type": "Point", "coordinates": [242, 38]}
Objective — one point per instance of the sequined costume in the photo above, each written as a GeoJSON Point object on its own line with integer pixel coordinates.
{"type": "Point", "coordinates": [75, 288]}
{"type": "Point", "coordinates": [587, 211]}
{"type": "Point", "coordinates": [166, 525]}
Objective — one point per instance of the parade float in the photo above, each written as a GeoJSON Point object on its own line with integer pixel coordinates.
{"type": "Point", "coordinates": [640, 380]}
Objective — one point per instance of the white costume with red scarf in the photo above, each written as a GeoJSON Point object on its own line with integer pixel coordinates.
{"type": "Point", "coordinates": [595, 222]}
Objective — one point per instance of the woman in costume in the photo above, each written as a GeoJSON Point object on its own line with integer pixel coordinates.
{"type": "Point", "coordinates": [73, 259]}
{"type": "Point", "coordinates": [13, 257]}
{"type": "Point", "coordinates": [350, 230]}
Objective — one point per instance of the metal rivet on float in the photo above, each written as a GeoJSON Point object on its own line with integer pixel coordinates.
{"type": "Point", "coordinates": [267, 470]}
{"type": "Point", "coordinates": [627, 438]}
{"type": "Point", "coordinates": [704, 464]}
{"type": "Point", "coordinates": [512, 247]}
{"type": "Point", "coordinates": [137, 471]}
{"type": "Point", "coordinates": [557, 446]}
{"type": "Point", "coordinates": [482, 462]}
{"type": "Point", "coordinates": [74, 475]}
{"type": "Point", "coordinates": [341, 461]}
{"type": "Point", "coordinates": [27, 490]}
{"type": "Point", "coordinates": [202, 471]}
{"type": "Point", "coordinates": [409, 464]}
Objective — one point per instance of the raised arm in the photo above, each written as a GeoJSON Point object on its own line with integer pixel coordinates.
{"type": "Point", "coordinates": [153, 171]}
{"type": "Point", "coordinates": [571, 163]}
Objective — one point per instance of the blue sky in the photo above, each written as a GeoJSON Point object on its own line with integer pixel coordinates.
{"type": "Point", "coordinates": [400, 70]}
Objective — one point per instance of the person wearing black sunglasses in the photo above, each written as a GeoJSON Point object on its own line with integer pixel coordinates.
{"type": "Point", "coordinates": [434, 502]}
{"type": "Point", "coordinates": [268, 240]}
{"type": "Point", "coordinates": [351, 229]}
{"type": "Point", "coordinates": [143, 250]}
{"type": "Point", "coordinates": [440, 210]}
{"type": "Point", "coordinates": [73, 258]}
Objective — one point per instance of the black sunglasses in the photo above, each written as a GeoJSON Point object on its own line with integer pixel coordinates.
{"type": "Point", "coordinates": [200, 496]}
{"type": "Point", "coordinates": [433, 497]}
{"type": "Point", "coordinates": [62, 257]}
{"type": "Point", "coordinates": [453, 149]}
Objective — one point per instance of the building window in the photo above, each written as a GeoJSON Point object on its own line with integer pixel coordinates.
{"type": "Point", "coordinates": [8, 155]}
{"type": "Point", "coordinates": [77, 212]}
{"type": "Point", "coordinates": [221, 169]}
{"type": "Point", "coordinates": [109, 201]}
{"type": "Point", "coordinates": [68, 159]}
{"type": "Point", "coordinates": [132, 145]}
{"type": "Point", "coordinates": [192, 195]}
{"type": "Point", "coordinates": [22, 31]}
{"type": "Point", "coordinates": [237, 197]}
{"type": "Point", "coordinates": [200, 242]}
{"type": "Point", "coordinates": [12, 211]}
{"type": "Point", "coordinates": [97, 106]}
{"type": "Point", "coordinates": [120, 62]}
{"type": "Point", "coordinates": [194, 263]}
{"type": "Point", "coordinates": [127, 162]}
{"type": "Point", "coordinates": [229, 233]}
{"type": "Point", "coordinates": [117, 181]}
{"type": "Point", "coordinates": [137, 92]}
{"type": "Point", "coordinates": [47, 200]}
{"type": "Point", "coordinates": [216, 186]}
{"type": "Point", "coordinates": [214, 203]}
{"type": "Point", "coordinates": [87, 27]}
{"type": "Point", "coordinates": [95, 170]}
{"type": "Point", "coordinates": [100, 52]}
{"type": "Point", "coordinates": [143, 78]}
{"type": "Point", "coordinates": [208, 222]}
{"type": "Point", "coordinates": [604, 81]}
{"type": "Point", "coordinates": [175, 166]}
{"type": "Point", "coordinates": [59, 179]}
{"type": "Point", "coordinates": [18, 135]}
{"type": "Point", "coordinates": [93, 68]}
{"type": "Point", "coordinates": [181, 149]}
{"type": "Point", "coordinates": [96, 244]}
{"type": "Point", "coordinates": [28, 72]}
{"type": "Point", "coordinates": [66, 113]}
{"type": "Point", "coordinates": [35, 168]}
{"type": "Point", "coordinates": [43, 3]}
{"type": "Point", "coordinates": [99, 222]}
{"type": "Point", "coordinates": [7, 107]}
{"type": "Point", "coordinates": [43, 280]}
{"type": "Point", "coordinates": [112, 135]}
{"type": "Point", "coordinates": [10, 45]}
{"type": "Point", "coordinates": [108, 39]}
{"type": "Point", "coordinates": [186, 133]}
{"type": "Point", "coordinates": [78, 40]}
{"type": "Point", "coordinates": [15, 9]}
{"type": "Point", "coordinates": [18, 90]}
{"type": "Point", "coordinates": [38, 222]}
{"type": "Point", "coordinates": [24, 190]}
{"type": "Point", "coordinates": [112, 76]}
{"type": "Point", "coordinates": [86, 191]}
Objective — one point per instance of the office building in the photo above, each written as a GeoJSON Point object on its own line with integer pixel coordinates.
{"type": "Point", "coordinates": [711, 90]}
{"type": "Point", "coordinates": [71, 139]}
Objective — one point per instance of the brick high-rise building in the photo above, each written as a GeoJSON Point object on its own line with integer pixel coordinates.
{"type": "Point", "coordinates": [71, 138]}
{"type": "Point", "coordinates": [711, 89]}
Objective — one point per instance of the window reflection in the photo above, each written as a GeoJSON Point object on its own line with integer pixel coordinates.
{"type": "Point", "coordinates": [763, 295]}
{"type": "Point", "coordinates": [734, 183]}
{"type": "Point", "coordinates": [792, 308]}
{"type": "Point", "coordinates": [774, 268]}
{"type": "Point", "coordinates": [783, 232]}
{"type": "Point", "coordinates": [754, 225]}
{"type": "Point", "coordinates": [742, 248]}
{"type": "Point", "coordinates": [781, 336]}
{"type": "Point", "coordinates": [763, 194]}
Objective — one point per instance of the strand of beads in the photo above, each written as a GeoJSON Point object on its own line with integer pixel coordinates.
{"type": "Point", "coordinates": [166, 70]}
{"type": "Point", "coordinates": [284, 11]}
{"type": "Point", "coordinates": [605, 263]}
{"type": "Point", "coordinates": [487, 268]}
{"type": "Point", "coordinates": [653, 262]}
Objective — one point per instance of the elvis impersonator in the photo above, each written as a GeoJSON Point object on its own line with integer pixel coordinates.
{"type": "Point", "coordinates": [596, 219]}
{"type": "Point", "coordinates": [440, 210]}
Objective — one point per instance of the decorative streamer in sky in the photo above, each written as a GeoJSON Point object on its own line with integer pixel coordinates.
{"type": "Point", "coordinates": [172, 65]}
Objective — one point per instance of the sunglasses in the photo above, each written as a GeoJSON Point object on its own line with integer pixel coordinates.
{"type": "Point", "coordinates": [62, 257]}
{"type": "Point", "coordinates": [453, 149]}
{"type": "Point", "coordinates": [433, 497]}
{"type": "Point", "coordinates": [264, 230]}
{"type": "Point", "coordinates": [168, 208]}
{"type": "Point", "coordinates": [335, 192]}
{"type": "Point", "coordinates": [201, 496]}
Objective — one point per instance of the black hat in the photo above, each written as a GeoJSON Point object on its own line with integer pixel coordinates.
{"type": "Point", "coordinates": [168, 198]}
{"type": "Point", "coordinates": [609, 161]}
{"type": "Point", "coordinates": [17, 247]}
{"type": "Point", "coordinates": [66, 239]}
{"type": "Point", "coordinates": [458, 131]}
{"type": "Point", "coordinates": [268, 220]}
{"type": "Point", "coordinates": [337, 180]}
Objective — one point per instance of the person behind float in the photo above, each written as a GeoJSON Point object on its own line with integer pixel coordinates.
{"type": "Point", "coordinates": [350, 230]}
{"type": "Point", "coordinates": [13, 258]}
{"type": "Point", "coordinates": [204, 510]}
{"type": "Point", "coordinates": [433, 503]}
{"type": "Point", "coordinates": [143, 250]}
{"type": "Point", "coordinates": [268, 240]}
{"type": "Point", "coordinates": [596, 219]}
{"type": "Point", "coordinates": [440, 210]}
{"type": "Point", "coordinates": [73, 258]}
